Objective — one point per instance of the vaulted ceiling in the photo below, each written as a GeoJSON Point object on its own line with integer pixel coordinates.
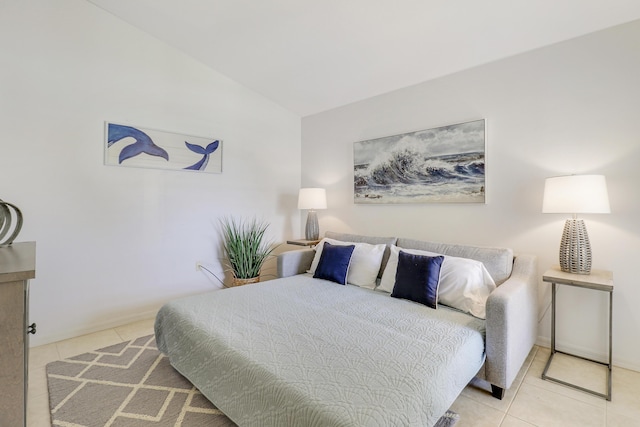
{"type": "Point", "coordinates": [313, 55]}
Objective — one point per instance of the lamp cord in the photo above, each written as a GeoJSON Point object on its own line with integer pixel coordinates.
{"type": "Point", "coordinates": [213, 274]}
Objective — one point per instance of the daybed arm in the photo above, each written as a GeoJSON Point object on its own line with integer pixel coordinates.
{"type": "Point", "coordinates": [512, 323]}
{"type": "Point", "coordinates": [294, 262]}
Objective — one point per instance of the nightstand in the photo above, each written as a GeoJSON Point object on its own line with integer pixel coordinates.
{"type": "Point", "coordinates": [303, 242]}
{"type": "Point", "coordinates": [598, 280]}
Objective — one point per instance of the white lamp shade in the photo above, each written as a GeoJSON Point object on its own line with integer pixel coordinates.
{"type": "Point", "coordinates": [312, 198]}
{"type": "Point", "coordinates": [576, 194]}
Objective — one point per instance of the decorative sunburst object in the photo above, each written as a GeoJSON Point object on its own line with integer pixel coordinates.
{"type": "Point", "coordinates": [10, 223]}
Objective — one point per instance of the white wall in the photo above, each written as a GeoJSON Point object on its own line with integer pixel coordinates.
{"type": "Point", "coordinates": [115, 243]}
{"type": "Point", "coordinates": [567, 108]}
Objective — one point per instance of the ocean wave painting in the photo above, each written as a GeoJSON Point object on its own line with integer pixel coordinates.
{"type": "Point", "coordinates": [438, 165]}
{"type": "Point", "coordinates": [148, 148]}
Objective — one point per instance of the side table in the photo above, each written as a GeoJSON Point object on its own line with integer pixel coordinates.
{"type": "Point", "coordinates": [303, 242]}
{"type": "Point", "coordinates": [599, 280]}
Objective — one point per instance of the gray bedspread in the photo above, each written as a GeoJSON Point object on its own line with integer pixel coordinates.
{"type": "Point", "coordinates": [300, 351]}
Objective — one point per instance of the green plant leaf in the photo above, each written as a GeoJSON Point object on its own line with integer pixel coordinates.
{"type": "Point", "coordinates": [245, 246]}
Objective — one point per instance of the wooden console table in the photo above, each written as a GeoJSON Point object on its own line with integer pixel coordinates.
{"type": "Point", "coordinates": [17, 266]}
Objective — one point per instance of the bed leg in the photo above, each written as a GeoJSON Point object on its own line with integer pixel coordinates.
{"type": "Point", "coordinates": [497, 392]}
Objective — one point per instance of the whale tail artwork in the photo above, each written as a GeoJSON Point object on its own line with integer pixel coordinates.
{"type": "Point", "coordinates": [143, 143]}
{"type": "Point", "coordinates": [206, 152]}
{"type": "Point", "coordinates": [147, 148]}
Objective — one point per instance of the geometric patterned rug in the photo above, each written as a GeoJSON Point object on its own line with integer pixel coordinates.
{"type": "Point", "coordinates": [132, 384]}
{"type": "Point", "coordinates": [127, 384]}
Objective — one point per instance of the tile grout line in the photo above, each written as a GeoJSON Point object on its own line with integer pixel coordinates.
{"type": "Point", "coordinates": [118, 334]}
{"type": "Point", "coordinates": [533, 358]}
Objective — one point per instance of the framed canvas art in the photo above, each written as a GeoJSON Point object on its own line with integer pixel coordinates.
{"type": "Point", "coordinates": [439, 165]}
{"type": "Point", "coordinates": [135, 146]}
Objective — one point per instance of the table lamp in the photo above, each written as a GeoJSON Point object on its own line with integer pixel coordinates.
{"type": "Point", "coordinates": [312, 199]}
{"type": "Point", "coordinates": [575, 194]}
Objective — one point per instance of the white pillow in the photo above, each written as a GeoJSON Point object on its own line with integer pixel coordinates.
{"type": "Point", "coordinates": [465, 283]}
{"type": "Point", "coordinates": [365, 262]}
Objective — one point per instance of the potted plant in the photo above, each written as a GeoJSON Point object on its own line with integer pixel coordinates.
{"type": "Point", "coordinates": [245, 248]}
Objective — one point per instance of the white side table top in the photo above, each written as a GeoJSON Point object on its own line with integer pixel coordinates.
{"type": "Point", "coordinates": [601, 280]}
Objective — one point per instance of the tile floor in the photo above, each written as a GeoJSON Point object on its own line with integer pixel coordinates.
{"type": "Point", "coordinates": [529, 402]}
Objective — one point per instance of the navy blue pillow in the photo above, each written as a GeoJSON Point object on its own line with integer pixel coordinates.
{"type": "Point", "coordinates": [334, 263]}
{"type": "Point", "coordinates": [417, 278]}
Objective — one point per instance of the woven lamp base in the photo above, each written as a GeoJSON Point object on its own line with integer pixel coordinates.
{"type": "Point", "coordinates": [312, 230]}
{"type": "Point", "coordinates": [575, 249]}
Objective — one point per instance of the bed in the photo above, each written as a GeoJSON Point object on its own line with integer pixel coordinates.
{"type": "Point", "coordinates": [302, 351]}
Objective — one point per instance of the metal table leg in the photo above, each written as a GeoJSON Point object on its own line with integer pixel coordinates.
{"type": "Point", "coordinates": [609, 364]}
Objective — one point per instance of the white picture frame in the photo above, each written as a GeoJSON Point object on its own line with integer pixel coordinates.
{"type": "Point", "coordinates": [135, 146]}
{"type": "Point", "coordinates": [439, 165]}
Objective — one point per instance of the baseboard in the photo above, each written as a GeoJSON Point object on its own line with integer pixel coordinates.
{"type": "Point", "coordinates": [633, 365]}
{"type": "Point", "coordinates": [89, 328]}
